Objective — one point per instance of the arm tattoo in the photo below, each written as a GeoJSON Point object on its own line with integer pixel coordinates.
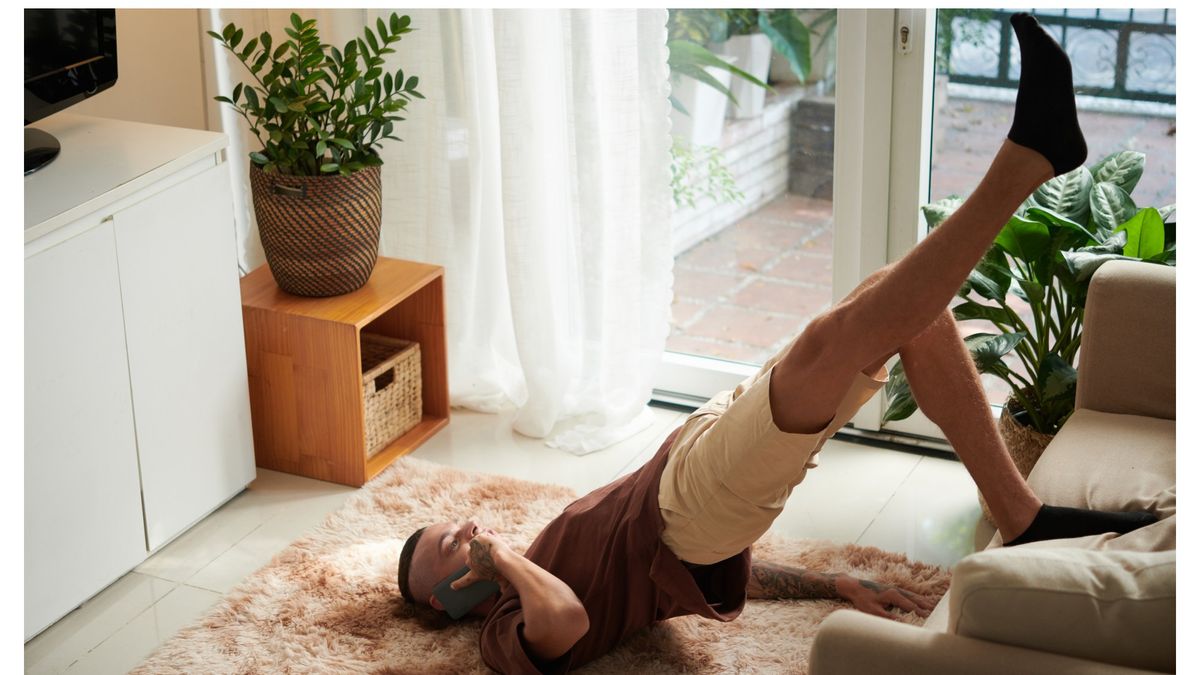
{"type": "Point", "coordinates": [481, 560]}
{"type": "Point", "coordinates": [871, 585]}
{"type": "Point", "coordinates": [778, 582]}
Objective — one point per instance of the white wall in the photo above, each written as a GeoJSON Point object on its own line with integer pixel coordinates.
{"type": "Point", "coordinates": [159, 70]}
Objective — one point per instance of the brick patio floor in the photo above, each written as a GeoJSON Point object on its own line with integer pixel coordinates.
{"type": "Point", "coordinates": [744, 293]}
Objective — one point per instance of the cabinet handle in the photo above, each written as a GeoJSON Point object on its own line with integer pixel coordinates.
{"type": "Point", "coordinates": [289, 190]}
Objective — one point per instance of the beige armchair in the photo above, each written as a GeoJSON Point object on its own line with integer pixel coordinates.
{"type": "Point", "coordinates": [1100, 604]}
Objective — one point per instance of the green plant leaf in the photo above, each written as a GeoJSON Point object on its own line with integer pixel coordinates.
{"type": "Point", "coordinates": [1067, 194]}
{"type": "Point", "coordinates": [1167, 212]}
{"type": "Point", "coordinates": [1056, 378]}
{"type": "Point", "coordinates": [1167, 257]}
{"type": "Point", "coordinates": [986, 286]}
{"type": "Point", "coordinates": [790, 37]}
{"type": "Point", "coordinates": [258, 158]}
{"type": "Point", "coordinates": [901, 403]}
{"type": "Point", "coordinates": [973, 310]}
{"type": "Point", "coordinates": [1146, 234]}
{"type": "Point", "coordinates": [1123, 169]}
{"type": "Point", "coordinates": [987, 350]}
{"type": "Point", "coordinates": [691, 59]}
{"type": "Point", "coordinates": [1024, 239]}
{"type": "Point", "coordinates": [1029, 290]}
{"type": "Point", "coordinates": [1111, 206]}
{"type": "Point", "coordinates": [296, 24]}
{"type": "Point", "coordinates": [1083, 264]}
{"type": "Point", "coordinates": [1054, 219]}
{"type": "Point", "coordinates": [937, 212]}
{"type": "Point", "coordinates": [279, 104]}
{"type": "Point", "coordinates": [329, 167]}
{"type": "Point", "coordinates": [248, 49]}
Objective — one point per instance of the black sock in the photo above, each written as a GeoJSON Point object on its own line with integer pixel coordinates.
{"type": "Point", "coordinates": [1063, 522]}
{"type": "Point", "coordinates": [1045, 120]}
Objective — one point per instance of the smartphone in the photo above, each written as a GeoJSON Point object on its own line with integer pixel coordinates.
{"type": "Point", "coordinates": [459, 603]}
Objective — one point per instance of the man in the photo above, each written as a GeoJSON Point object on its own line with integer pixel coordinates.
{"type": "Point", "coordinates": [674, 537]}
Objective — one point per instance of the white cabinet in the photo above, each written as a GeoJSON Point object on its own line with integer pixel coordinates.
{"type": "Point", "coordinates": [137, 417]}
{"type": "Point", "coordinates": [83, 509]}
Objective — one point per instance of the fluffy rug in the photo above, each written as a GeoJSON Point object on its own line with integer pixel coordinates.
{"type": "Point", "coordinates": [329, 604]}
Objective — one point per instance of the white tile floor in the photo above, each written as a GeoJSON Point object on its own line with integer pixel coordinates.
{"type": "Point", "coordinates": [922, 506]}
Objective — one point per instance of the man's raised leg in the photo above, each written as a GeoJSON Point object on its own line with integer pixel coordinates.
{"type": "Point", "coordinates": [810, 379]}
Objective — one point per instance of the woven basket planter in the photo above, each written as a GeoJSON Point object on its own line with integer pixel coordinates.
{"type": "Point", "coordinates": [320, 233]}
{"type": "Point", "coordinates": [1024, 443]}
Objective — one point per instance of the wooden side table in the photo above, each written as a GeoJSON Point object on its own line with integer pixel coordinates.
{"type": "Point", "coordinates": [302, 354]}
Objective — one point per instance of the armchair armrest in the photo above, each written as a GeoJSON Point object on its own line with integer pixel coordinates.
{"type": "Point", "coordinates": [849, 642]}
{"type": "Point", "coordinates": [1127, 354]}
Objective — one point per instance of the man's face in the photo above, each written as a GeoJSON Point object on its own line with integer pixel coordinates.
{"type": "Point", "coordinates": [443, 548]}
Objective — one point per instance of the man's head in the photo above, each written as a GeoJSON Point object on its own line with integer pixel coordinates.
{"type": "Point", "coordinates": [431, 554]}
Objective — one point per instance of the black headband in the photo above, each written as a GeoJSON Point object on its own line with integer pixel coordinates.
{"type": "Point", "coordinates": [402, 567]}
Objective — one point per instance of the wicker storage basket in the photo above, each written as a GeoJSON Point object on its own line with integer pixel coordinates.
{"type": "Point", "coordinates": [391, 389]}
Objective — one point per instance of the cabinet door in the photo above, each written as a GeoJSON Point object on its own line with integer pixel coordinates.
{"type": "Point", "coordinates": [83, 511]}
{"type": "Point", "coordinates": [187, 354]}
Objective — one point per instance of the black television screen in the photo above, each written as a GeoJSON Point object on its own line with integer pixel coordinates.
{"type": "Point", "coordinates": [70, 54]}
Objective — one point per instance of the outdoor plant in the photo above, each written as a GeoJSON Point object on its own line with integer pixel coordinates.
{"type": "Point", "coordinates": [1046, 255]}
{"type": "Point", "coordinates": [714, 179]}
{"type": "Point", "coordinates": [317, 109]}
{"type": "Point", "coordinates": [691, 31]}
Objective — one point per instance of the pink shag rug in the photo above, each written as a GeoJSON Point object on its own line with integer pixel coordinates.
{"type": "Point", "coordinates": [329, 604]}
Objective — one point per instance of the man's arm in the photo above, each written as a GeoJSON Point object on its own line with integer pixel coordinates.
{"type": "Point", "coordinates": [769, 581]}
{"type": "Point", "coordinates": [555, 619]}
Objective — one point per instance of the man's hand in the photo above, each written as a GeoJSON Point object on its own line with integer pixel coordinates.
{"type": "Point", "coordinates": [486, 551]}
{"type": "Point", "coordinates": [876, 598]}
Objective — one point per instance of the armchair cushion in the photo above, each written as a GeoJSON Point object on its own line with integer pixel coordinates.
{"type": "Point", "coordinates": [1110, 462]}
{"type": "Point", "coordinates": [1115, 607]}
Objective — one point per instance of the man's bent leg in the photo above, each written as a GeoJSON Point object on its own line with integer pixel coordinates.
{"type": "Point", "coordinates": [947, 388]}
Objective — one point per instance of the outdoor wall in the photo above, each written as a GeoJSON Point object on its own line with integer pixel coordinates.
{"type": "Point", "coordinates": [159, 70]}
{"type": "Point", "coordinates": [810, 160]}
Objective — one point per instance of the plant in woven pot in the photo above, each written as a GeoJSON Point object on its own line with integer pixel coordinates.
{"type": "Point", "coordinates": [1032, 288]}
{"type": "Point", "coordinates": [321, 114]}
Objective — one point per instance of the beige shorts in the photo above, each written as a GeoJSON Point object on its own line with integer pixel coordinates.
{"type": "Point", "coordinates": [731, 470]}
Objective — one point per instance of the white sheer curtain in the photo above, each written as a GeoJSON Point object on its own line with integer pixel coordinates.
{"type": "Point", "coordinates": [536, 171]}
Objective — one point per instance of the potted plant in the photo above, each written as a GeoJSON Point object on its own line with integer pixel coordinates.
{"type": "Point", "coordinates": [700, 78]}
{"type": "Point", "coordinates": [753, 37]}
{"type": "Point", "coordinates": [1046, 255]}
{"type": "Point", "coordinates": [320, 114]}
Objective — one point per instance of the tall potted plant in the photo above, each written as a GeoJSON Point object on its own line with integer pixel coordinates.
{"type": "Point", "coordinates": [753, 36]}
{"type": "Point", "coordinates": [1046, 255]}
{"type": "Point", "coordinates": [320, 114]}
